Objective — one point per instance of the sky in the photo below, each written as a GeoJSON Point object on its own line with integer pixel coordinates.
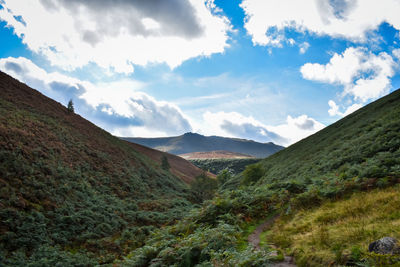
{"type": "Point", "coordinates": [270, 71]}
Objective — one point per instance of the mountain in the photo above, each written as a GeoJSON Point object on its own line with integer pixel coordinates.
{"type": "Point", "coordinates": [193, 142]}
{"type": "Point", "coordinates": [321, 201]}
{"type": "Point", "coordinates": [71, 193]}
{"type": "Point", "coordinates": [219, 154]}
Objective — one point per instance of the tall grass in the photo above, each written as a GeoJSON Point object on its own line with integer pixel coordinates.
{"type": "Point", "coordinates": [336, 231]}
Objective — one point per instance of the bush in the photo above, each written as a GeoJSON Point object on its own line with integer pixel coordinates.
{"type": "Point", "coordinates": [203, 188]}
{"type": "Point", "coordinates": [252, 174]}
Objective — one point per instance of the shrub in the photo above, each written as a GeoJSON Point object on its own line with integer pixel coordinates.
{"type": "Point", "coordinates": [252, 174]}
{"type": "Point", "coordinates": [70, 106]}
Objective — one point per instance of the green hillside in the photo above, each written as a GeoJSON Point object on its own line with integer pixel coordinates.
{"type": "Point", "coordinates": [358, 153]}
{"type": "Point", "coordinates": [362, 147]}
{"type": "Point", "coordinates": [72, 194]}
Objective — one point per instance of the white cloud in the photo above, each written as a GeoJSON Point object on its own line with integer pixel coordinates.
{"type": "Point", "coordinates": [118, 35]}
{"type": "Point", "coordinates": [396, 52]}
{"type": "Point", "coordinates": [233, 124]}
{"type": "Point", "coordinates": [362, 74]}
{"type": "Point", "coordinates": [297, 128]}
{"type": "Point", "coordinates": [304, 47]}
{"type": "Point", "coordinates": [334, 109]}
{"type": "Point", "coordinates": [119, 107]}
{"type": "Point", "coordinates": [350, 19]}
{"type": "Point", "coordinates": [54, 85]}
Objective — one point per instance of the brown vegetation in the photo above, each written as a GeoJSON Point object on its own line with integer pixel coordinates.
{"type": "Point", "coordinates": [219, 154]}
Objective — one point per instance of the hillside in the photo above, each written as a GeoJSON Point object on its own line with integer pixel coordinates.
{"type": "Point", "coordinates": [330, 195]}
{"type": "Point", "coordinates": [192, 142]}
{"type": "Point", "coordinates": [363, 146]}
{"type": "Point", "coordinates": [71, 193]}
{"type": "Point", "coordinates": [179, 165]}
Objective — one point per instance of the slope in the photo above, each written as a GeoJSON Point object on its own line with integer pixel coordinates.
{"type": "Point", "coordinates": [192, 142]}
{"type": "Point", "coordinates": [360, 152]}
{"type": "Point", "coordinates": [179, 166]}
{"type": "Point", "coordinates": [363, 146]}
{"type": "Point", "coordinates": [71, 193]}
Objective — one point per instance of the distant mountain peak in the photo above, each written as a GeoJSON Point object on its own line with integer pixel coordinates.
{"type": "Point", "coordinates": [193, 142]}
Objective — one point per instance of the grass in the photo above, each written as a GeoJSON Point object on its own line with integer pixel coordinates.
{"type": "Point", "coordinates": [336, 231]}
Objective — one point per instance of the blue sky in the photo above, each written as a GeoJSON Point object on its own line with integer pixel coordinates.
{"type": "Point", "coordinates": [255, 69]}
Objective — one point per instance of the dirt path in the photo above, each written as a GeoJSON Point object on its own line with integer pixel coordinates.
{"type": "Point", "coordinates": [254, 240]}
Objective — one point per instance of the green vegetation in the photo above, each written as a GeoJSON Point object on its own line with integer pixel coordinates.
{"type": "Point", "coordinates": [216, 166]}
{"type": "Point", "coordinates": [203, 188]}
{"type": "Point", "coordinates": [252, 174]}
{"type": "Point", "coordinates": [71, 194]}
{"type": "Point", "coordinates": [340, 231]}
{"type": "Point", "coordinates": [70, 106]}
{"type": "Point", "coordinates": [358, 153]}
{"type": "Point", "coordinates": [164, 163]}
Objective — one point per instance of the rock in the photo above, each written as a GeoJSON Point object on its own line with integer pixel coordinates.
{"type": "Point", "coordinates": [385, 245]}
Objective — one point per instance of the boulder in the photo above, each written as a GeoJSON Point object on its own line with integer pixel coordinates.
{"type": "Point", "coordinates": [385, 245]}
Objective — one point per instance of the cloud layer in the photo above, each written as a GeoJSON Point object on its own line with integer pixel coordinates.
{"type": "Point", "coordinates": [118, 34]}
{"type": "Point", "coordinates": [234, 124]}
{"type": "Point", "coordinates": [266, 21]}
{"type": "Point", "coordinates": [119, 107]}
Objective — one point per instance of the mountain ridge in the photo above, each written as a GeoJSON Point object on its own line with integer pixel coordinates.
{"type": "Point", "coordinates": [194, 142]}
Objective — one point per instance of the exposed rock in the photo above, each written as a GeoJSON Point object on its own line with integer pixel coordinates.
{"type": "Point", "coordinates": [385, 245]}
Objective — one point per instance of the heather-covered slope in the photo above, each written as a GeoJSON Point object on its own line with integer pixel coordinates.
{"type": "Point", "coordinates": [71, 193]}
{"type": "Point", "coordinates": [192, 142]}
{"type": "Point", "coordinates": [179, 166]}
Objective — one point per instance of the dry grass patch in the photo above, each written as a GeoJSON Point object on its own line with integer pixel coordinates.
{"type": "Point", "coordinates": [337, 232]}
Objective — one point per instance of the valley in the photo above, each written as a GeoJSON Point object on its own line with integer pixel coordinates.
{"type": "Point", "coordinates": [73, 194]}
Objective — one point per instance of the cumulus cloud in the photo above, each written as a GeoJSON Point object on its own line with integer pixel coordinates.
{"type": "Point", "coordinates": [119, 107]}
{"type": "Point", "coordinates": [118, 34]}
{"type": "Point", "coordinates": [334, 109]}
{"type": "Point", "coordinates": [362, 74]}
{"type": "Point", "coordinates": [234, 124]}
{"type": "Point", "coordinates": [266, 21]}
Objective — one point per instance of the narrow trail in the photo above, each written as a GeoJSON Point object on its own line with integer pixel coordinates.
{"type": "Point", "coordinates": [254, 240]}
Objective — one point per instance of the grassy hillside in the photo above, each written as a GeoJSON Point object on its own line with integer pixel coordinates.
{"type": "Point", "coordinates": [72, 194]}
{"type": "Point", "coordinates": [192, 142]}
{"type": "Point", "coordinates": [301, 184]}
{"type": "Point", "coordinates": [363, 148]}
{"type": "Point", "coordinates": [340, 230]}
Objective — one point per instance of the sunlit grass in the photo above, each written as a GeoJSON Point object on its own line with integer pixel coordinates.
{"type": "Point", "coordinates": [332, 232]}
